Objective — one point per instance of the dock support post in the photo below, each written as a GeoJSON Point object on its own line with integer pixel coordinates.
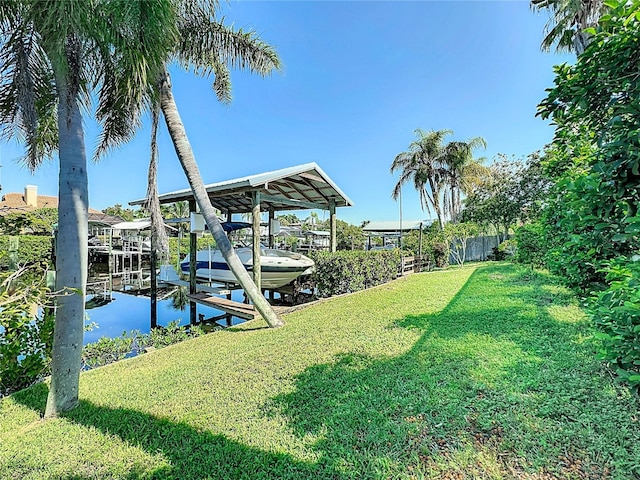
{"type": "Point", "coordinates": [420, 249]}
{"type": "Point", "coordinates": [272, 237]}
{"type": "Point", "coordinates": [193, 254]}
{"type": "Point", "coordinates": [255, 196]}
{"type": "Point", "coordinates": [154, 285]}
{"type": "Point", "coordinates": [332, 225]}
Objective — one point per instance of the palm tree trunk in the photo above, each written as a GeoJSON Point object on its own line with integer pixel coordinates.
{"type": "Point", "coordinates": [71, 254]}
{"type": "Point", "coordinates": [435, 200]}
{"type": "Point", "coordinates": [190, 167]}
{"type": "Point", "coordinates": [152, 205]}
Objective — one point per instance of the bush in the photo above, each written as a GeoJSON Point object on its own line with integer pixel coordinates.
{"type": "Point", "coordinates": [350, 271]}
{"type": "Point", "coordinates": [202, 244]}
{"type": "Point", "coordinates": [25, 249]}
{"type": "Point", "coordinates": [617, 316]}
{"type": "Point", "coordinates": [531, 245]}
{"type": "Point", "coordinates": [108, 350]}
{"type": "Point", "coordinates": [25, 338]}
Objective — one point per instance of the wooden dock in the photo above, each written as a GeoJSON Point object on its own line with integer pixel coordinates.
{"type": "Point", "coordinates": [199, 287]}
{"type": "Point", "coordinates": [241, 310]}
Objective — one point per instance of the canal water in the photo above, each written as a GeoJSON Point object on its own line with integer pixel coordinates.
{"type": "Point", "coordinates": [111, 314]}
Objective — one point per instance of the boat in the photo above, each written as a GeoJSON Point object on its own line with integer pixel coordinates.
{"type": "Point", "coordinates": [278, 267]}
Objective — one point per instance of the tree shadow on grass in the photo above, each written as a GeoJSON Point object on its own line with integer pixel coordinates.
{"type": "Point", "coordinates": [191, 453]}
{"type": "Point", "coordinates": [491, 388]}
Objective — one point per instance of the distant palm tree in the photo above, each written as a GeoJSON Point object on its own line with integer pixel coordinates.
{"type": "Point", "coordinates": [177, 210]}
{"type": "Point", "coordinates": [423, 166]}
{"type": "Point", "coordinates": [462, 171]}
{"type": "Point", "coordinates": [568, 20]}
{"type": "Point", "coordinates": [53, 55]}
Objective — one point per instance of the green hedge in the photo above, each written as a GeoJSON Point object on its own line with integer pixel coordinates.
{"type": "Point", "coordinates": [30, 249]}
{"type": "Point", "coordinates": [350, 271]}
{"type": "Point", "coordinates": [531, 245]}
{"type": "Point", "coordinates": [202, 244]}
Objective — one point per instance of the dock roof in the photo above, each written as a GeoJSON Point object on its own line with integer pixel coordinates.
{"type": "Point", "coordinates": [395, 226]}
{"type": "Point", "coordinates": [300, 187]}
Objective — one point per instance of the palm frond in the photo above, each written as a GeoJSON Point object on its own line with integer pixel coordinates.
{"type": "Point", "coordinates": [27, 95]}
{"type": "Point", "coordinates": [205, 43]}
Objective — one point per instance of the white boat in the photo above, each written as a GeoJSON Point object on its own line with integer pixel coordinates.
{"type": "Point", "coordinates": [278, 267]}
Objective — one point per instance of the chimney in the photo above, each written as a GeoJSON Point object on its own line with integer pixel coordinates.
{"type": "Point", "coordinates": [31, 196]}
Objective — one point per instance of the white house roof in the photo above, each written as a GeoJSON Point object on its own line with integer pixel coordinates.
{"type": "Point", "coordinates": [295, 188]}
{"type": "Point", "coordinates": [394, 225]}
{"type": "Point", "coordinates": [135, 225]}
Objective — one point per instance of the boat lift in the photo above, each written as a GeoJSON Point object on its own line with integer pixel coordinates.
{"type": "Point", "coordinates": [302, 187]}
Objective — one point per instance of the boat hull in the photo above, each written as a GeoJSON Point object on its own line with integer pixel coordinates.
{"type": "Point", "coordinates": [278, 267]}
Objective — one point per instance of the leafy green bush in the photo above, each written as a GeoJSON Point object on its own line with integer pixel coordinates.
{"type": "Point", "coordinates": [617, 316]}
{"type": "Point", "coordinates": [531, 245]}
{"type": "Point", "coordinates": [172, 333]}
{"type": "Point", "coordinates": [37, 222]}
{"type": "Point", "coordinates": [25, 337]}
{"type": "Point", "coordinates": [108, 350]}
{"type": "Point", "coordinates": [174, 254]}
{"type": "Point", "coordinates": [350, 271]}
{"type": "Point", "coordinates": [25, 248]}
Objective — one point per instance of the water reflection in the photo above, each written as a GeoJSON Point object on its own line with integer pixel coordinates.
{"type": "Point", "coordinates": [121, 303]}
{"type": "Point", "coordinates": [179, 299]}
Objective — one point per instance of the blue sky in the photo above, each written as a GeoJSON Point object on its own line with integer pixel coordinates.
{"type": "Point", "coordinates": [358, 78]}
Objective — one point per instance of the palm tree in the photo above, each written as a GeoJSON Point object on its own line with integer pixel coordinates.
{"type": "Point", "coordinates": [422, 165]}
{"type": "Point", "coordinates": [211, 47]}
{"type": "Point", "coordinates": [568, 20]}
{"type": "Point", "coordinates": [177, 210]}
{"type": "Point", "coordinates": [52, 55]}
{"type": "Point", "coordinates": [462, 170]}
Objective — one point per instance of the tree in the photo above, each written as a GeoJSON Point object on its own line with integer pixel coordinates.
{"type": "Point", "coordinates": [568, 22]}
{"type": "Point", "coordinates": [594, 105]}
{"type": "Point", "coordinates": [422, 164]}
{"type": "Point", "coordinates": [462, 172]}
{"type": "Point", "coordinates": [460, 233]}
{"type": "Point", "coordinates": [53, 54]}
{"type": "Point", "coordinates": [511, 191]}
{"type": "Point", "coordinates": [209, 47]}
{"type": "Point", "coordinates": [177, 210]}
{"type": "Point", "coordinates": [126, 214]}
{"type": "Point", "coordinates": [593, 213]}
{"type": "Point", "coordinates": [37, 222]}
{"type": "Point", "coordinates": [288, 219]}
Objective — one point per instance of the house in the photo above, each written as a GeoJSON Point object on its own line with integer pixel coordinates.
{"type": "Point", "coordinates": [30, 201]}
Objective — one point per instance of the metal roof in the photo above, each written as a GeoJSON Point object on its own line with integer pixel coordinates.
{"type": "Point", "coordinates": [394, 225]}
{"type": "Point", "coordinates": [295, 188]}
{"type": "Point", "coordinates": [140, 224]}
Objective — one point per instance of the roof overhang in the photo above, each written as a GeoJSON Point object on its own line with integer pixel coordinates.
{"type": "Point", "coordinates": [302, 187]}
{"type": "Point", "coordinates": [396, 226]}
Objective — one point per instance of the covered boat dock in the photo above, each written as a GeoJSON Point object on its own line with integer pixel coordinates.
{"type": "Point", "coordinates": [302, 187]}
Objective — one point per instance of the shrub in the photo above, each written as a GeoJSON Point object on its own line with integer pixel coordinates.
{"type": "Point", "coordinates": [25, 338]}
{"type": "Point", "coordinates": [350, 271]}
{"type": "Point", "coordinates": [531, 245]}
{"type": "Point", "coordinates": [25, 249]}
{"type": "Point", "coordinates": [108, 350]}
{"type": "Point", "coordinates": [617, 316]}
{"type": "Point", "coordinates": [202, 244]}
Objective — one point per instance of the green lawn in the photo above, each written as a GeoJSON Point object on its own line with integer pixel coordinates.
{"type": "Point", "coordinates": [481, 372]}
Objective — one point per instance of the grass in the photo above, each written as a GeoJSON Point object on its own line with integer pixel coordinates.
{"type": "Point", "coordinates": [481, 372]}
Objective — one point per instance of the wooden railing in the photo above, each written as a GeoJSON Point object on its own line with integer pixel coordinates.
{"type": "Point", "coordinates": [415, 264]}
